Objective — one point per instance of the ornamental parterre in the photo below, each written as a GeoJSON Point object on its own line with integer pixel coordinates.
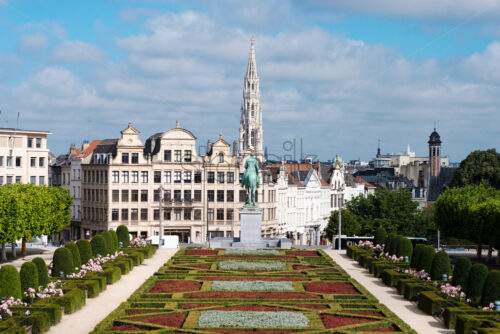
{"type": "Point", "coordinates": [283, 291]}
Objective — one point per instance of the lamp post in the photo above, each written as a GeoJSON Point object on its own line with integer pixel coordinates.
{"type": "Point", "coordinates": [341, 198]}
{"type": "Point", "coordinates": [160, 236]}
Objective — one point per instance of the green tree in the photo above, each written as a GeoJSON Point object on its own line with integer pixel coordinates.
{"type": "Point", "coordinates": [479, 168]}
{"type": "Point", "coordinates": [10, 230]}
{"type": "Point", "coordinates": [486, 222]}
{"type": "Point", "coordinates": [350, 225]}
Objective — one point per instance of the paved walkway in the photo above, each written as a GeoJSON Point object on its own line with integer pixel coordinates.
{"type": "Point", "coordinates": [96, 309]}
{"type": "Point", "coordinates": [404, 309]}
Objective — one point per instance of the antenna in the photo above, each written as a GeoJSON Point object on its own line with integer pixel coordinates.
{"type": "Point", "coordinates": [88, 128]}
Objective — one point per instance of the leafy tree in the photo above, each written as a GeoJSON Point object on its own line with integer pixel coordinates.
{"type": "Point", "coordinates": [10, 230]}
{"type": "Point", "coordinates": [479, 168]}
{"type": "Point", "coordinates": [350, 225]}
{"type": "Point", "coordinates": [486, 222]}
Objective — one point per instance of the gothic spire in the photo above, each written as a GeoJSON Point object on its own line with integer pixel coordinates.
{"type": "Point", "coordinates": [252, 65]}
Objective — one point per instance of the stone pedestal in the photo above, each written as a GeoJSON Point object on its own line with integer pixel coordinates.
{"type": "Point", "coordinates": [250, 225]}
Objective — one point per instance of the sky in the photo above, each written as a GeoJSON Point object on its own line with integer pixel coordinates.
{"type": "Point", "coordinates": [335, 76]}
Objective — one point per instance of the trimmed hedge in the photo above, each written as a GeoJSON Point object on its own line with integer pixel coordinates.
{"type": "Point", "coordinates": [417, 253]}
{"type": "Point", "coordinates": [396, 240]}
{"type": "Point", "coordinates": [123, 237]}
{"type": "Point", "coordinates": [426, 258]}
{"type": "Point", "coordinates": [90, 286]}
{"type": "Point", "coordinates": [380, 236]}
{"type": "Point", "coordinates": [390, 277]}
{"type": "Point", "coordinates": [440, 265]}
{"type": "Point", "coordinates": [10, 282]}
{"type": "Point", "coordinates": [491, 289]}
{"type": "Point", "coordinates": [461, 272]}
{"type": "Point", "coordinates": [29, 276]}
{"type": "Point", "coordinates": [98, 245]}
{"type": "Point", "coordinates": [412, 290]}
{"type": "Point", "coordinates": [477, 278]}
{"type": "Point", "coordinates": [108, 240]}
{"type": "Point", "coordinates": [112, 274]}
{"type": "Point", "coordinates": [75, 252]}
{"type": "Point", "coordinates": [430, 303]}
{"type": "Point", "coordinates": [62, 261]}
{"type": "Point", "coordinates": [115, 240]}
{"type": "Point", "coordinates": [72, 301]}
{"type": "Point", "coordinates": [388, 243]}
{"type": "Point", "coordinates": [85, 250]}
{"type": "Point", "coordinates": [405, 248]}
{"type": "Point", "coordinates": [466, 323]}
{"type": "Point", "coordinates": [43, 271]}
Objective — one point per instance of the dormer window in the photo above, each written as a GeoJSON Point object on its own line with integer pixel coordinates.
{"type": "Point", "coordinates": [221, 158]}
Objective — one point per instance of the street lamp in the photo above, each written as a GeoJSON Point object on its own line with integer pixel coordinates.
{"type": "Point", "coordinates": [160, 236]}
{"type": "Point", "coordinates": [341, 198]}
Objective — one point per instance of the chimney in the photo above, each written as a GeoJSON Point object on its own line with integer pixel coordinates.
{"type": "Point", "coordinates": [72, 149]}
{"type": "Point", "coordinates": [85, 145]}
{"type": "Point", "coordinates": [235, 148]}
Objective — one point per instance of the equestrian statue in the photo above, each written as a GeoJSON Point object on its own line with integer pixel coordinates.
{"type": "Point", "coordinates": [251, 181]}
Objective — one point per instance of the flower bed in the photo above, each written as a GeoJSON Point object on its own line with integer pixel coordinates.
{"type": "Point", "coordinates": [252, 319]}
{"type": "Point", "coordinates": [200, 252]}
{"type": "Point", "coordinates": [256, 252]}
{"type": "Point", "coordinates": [263, 278]}
{"type": "Point", "coordinates": [331, 287]}
{"type": "Point", "coordinates": [171, 320]}
{"type": "Point", "coordinates": [245, 265]}
{"type": "Point", "coordinates": [334, 321]}
{"type": "Point", "coordinates": [175, 286]}
{"type": "Point", "coordinates": [251, 286]}
{"type": "Point", "coordinates": [251, 295]}
{"type": "Point", "coordinates": [302, 253]}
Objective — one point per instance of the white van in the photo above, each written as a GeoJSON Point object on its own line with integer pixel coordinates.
{"type": "Point", "coordinates": [169, 241]}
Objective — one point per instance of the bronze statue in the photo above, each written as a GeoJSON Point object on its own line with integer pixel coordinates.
{"type": "Point", "coordinates": [251, 181]}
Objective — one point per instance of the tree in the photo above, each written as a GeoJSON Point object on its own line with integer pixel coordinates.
{"type": "Point", "coordinates": [350, 225]}
{"type": "Point", "coordinates": [10, 229]}
{"type": "Point", "coordinates": [479, 168]}
{"type": "Point", "coordinates": [486, 222]}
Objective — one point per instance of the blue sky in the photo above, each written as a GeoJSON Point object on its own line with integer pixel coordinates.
{"type": "Point", "coordinates": [337, 74]}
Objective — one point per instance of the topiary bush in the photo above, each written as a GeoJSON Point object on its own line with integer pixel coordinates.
{"type": "Point", "coordinates": [123, 237]}
{"type": "Point", "coordinates": [115, 240]}
{"type": "Point", "coordinates": [461, 272]}
{"type": "Point", "coordinates": [491, 289]}
{"type": "Point", "coordinates": [440, 265]}
{"type": "Point", "coordinates": [10, 282]}
{"type": "Point", "coordinates": [475, 283]}
{"type": "Point", "coordinates": [43, 272]}
{"type": "Point", "coordinates": [98, 245]}
{"type": "Point", "coordinates": [405, 248]}
{"type": "Point", "coordinates": [396, 240]}
{"type": "Point", "coordinates": [380, 236]}
{"type": "Point", "coordinates": [426, 258]}
{"type": "Point", "coordinates": [73, 248]}
{"type": "Point", "coordinates": [62, 261]}
{"type": "Point", "coordinates": [85, 250]}
{"type": "Point", "coordinates": [29, 276]}
{"type": "Point", "coordinates": [108, 240]}
{"type": "Point", "coordinates": [388, 242]}
{"type": "Point", "coordinates": [417, 253]}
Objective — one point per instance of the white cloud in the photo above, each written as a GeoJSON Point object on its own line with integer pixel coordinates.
{"type": "Point", "coordinates": [78, 52]}
{"type": "Point", "coordinates": [33, 42]}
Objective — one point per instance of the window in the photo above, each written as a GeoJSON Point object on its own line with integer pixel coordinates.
{"type": "Point", "coordinates": [115, 196]}
{"type": "Point", "coordinates": [134, 214]}
{"type": "Point", "coordinates": [1, 161]}
{"type": "Point", "coordinates": [156, 214]}
{"type": "Point", "coordinates": [167, 195]}
{"type": "Point", "coordinates": [243, 196]}
{"type": "Point", "coordinates": [114, 214]}
{"type": "Point", "coordinates": [124, 195]}
{"type": "Point", "coordinates": [177, 214]}
{"type": "Point", "coordinates": [187, 177]}
{"type": "Point", "coordinates": [220, 195]}
{"type": "Point", "coordinates": [167, 155]}
{"type": "Point", "coordinates": [144, 195]}
{"type": "Point", "coordinates": [177, 176]}
{"type": "Point", "coordinates": [114, 174]}
{"type": "Point", "coordinates": [167, 176]}
{"type": "Point", "coordinates": [210, 214]}
{"type": "Point", "coordinates": [167, 214]}
{"type": "Point", "coordinates": [135, 176]}
{"type": "Point", "coordinates": [156, 195]}
{"type": "Point", "coordinates": [241, 178]}
{"type": "Point", "coordinates": [30, 142]}
{"type": "Point", "coordinates": [177, 196]}
{"type": "Point", "coordinates": [230, 196]}
{"type": "Point", "coordinates": [220, 177]}
{"type": "Point", "coordinates": [124, 158]}
{"type": "Point", "coordinates": [177, 155]}
{"type": "Point", "coordinates": [18, 162]}
{"type": "Point", "coordinates": [38, 142]}
{"type": "Point", "coordinates": [157, 176]}
{"type": "Point", "coordinates": [197, 214]}
{"type": "Point", "coordinates": [230, 177]}
{"type": "Point", "coordinates": [144, 214]}
{"type": "Point", "coordinates": [144, 177]}
{"type": "Point", "coordinates": [9, 162]}
{"type": "Point", "coordinates": [210, 177]}
{"type": "Point", "coordinates": [41, 180]}
{"type": "Point", "coordinates": [32, 179]}
{"type": "Point", "coordinates": [197, 196]}
{"type": "Point", "coordinates": [220, 214]}
{"type": "Point", "coordinates": [135, 158]}
{"type": "Point", "coordinates": [187, 156]}
{"type": "Point", "coordinates": [187, 214]}
{"type": "Point", "coordinates": [221, 158]}
{"type": "Point", "coordinates": [187, 195]}
{"type": "Point", "coordinates": [125, 214]}
{"type": "Point", "coordinates": [124, 176]}
{"type": "Point", "coordinates": [32, 162]}
{"type": "Point", "coordinates": [96, 176]}
{"type": "Point", "coordinates": [9, 179]}
{"type": "Point", "coordinates": [210, 195]}
{"type": "Point", "coordinates": [229, 214]}
{"type": "Point", "coordinates": [197, 177]}
{"type": "Point", "coordinates": [135, 195]}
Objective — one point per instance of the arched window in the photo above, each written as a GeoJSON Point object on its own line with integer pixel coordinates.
{"type": "Point", "coordinates": [221, 157]}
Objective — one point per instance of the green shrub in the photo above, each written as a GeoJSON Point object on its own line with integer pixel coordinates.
{"type": "Point", "coordinates": [72, 300]}
{"type": "Point", "coordinates": [395, 244]}
{"type": "Point", "coordinates": [43, 271]}
{"type": "Point", "coordinates": [98, 245]}
{"type": "Point", "coordinates": [390, 277]}
{"type": "Point", "coordinates": [85, 250]}
{"type": "Point", "coordinates": [100, 279]}
{"type": "Point", "coordinates": [137, 257]}
{"type": "Point", "coordinates": [115, 240]}
{"type": "Point", "coordinates": [440, 265]}
{"type": "Point", "coordinates": [75, 252]}
{"type": "Point", "coordinates": [466, 323]}
{"type": "Point", "coordinates": [40, 322]}
{"type": "Point", "coordinates": [112, 274]}
{"type": "Point", "coordinates": [62, 261]}
{"type": "Point", "coordinates": [350, 251]}
{"type": "Point", "coordinates": [491, 289]}
{"type": "Point", "coordinates": [108, 240]}
{"type": "Point", "coordinates": [388, 242]}
{"type": "Point", "coordinates": [29, 276]}
{"type": "Point", "coordinates": [461, 272]}
{"type": "Point", "coordinates": [405, 248]}
{"type": "Point", "coordinates": [430, 303]}
{"type": "Point", "coordinates": [417, 253]}
{"type": "Point", "coordinates": [400, 286]}
{"type": "Point", "coordinates": [426, 258]}
{"type": "Point", "coordinates": [123, 237]}
{"type": "Point", "coordinates": [412, 290]}
{"type": "Point", "coordinates": [123, 265]}
{"type": "Point", "coordinates": [148, 251]}
{"type": "Point", "coordinates": [475, 284]}
{"type": "Point", "coordinates": [380, 236]}
{"type": "Point", "coordinates": [90, 286]}
{"type": "Point", "coordinates": [53, 311]}
{"type": "Point", "coordinates": [10, 282]}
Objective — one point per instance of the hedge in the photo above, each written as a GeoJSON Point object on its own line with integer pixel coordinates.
{"type": "Point", "coordinates": [98, 245]}
{"type": "Point", "coordinates": [395, 244]}
{"type": "Point", "coordinates": [440, 265]}
{"type": "Point", "coordinates": [491, 289]}
{"type": "Point", "coordinates": [405, 248]}
{"type": "Point", "coordinates": [430, 303]}
{"type": "Point", "coordinates": [99, 278]}
{"type": "Point", "coordinates": [40, 322]}
{"type": "Point", "coordinates": [72, 300]}
{"type": "Point", "coordinates": [53, 311]}
{"type": "Point", "coordinates": [417, 253]}
{"type": "Point", "coordinates": [426, 258]}
{"type": "Point", "coordinates": [350, 250]}
{"type": "Point", "coordinates": [475, 284]}
{"type": "Point", "coordinates": [461, 272]}
{"type": "Point", "coordinates": [29, 276]}
{"type": "Point", "coordinates": [112, 274]}
{"type": "Point", "coordinates": [43, 272]}
{"type": "Point", "coordinates": [123, 237]}
{"type": "Point", "coordinates": [412, 290]}
{"type": "Point", "coordinates": [90, 286]}
{"type": "Point", "coordinates": [390, 277]}
{"type": "Point", "coordinates": [62, 261]}
{"type": "Point", "coordinates": [108, 240]}
{"type": "Point", "coordinates": [115, 240]}
{"type": "Point", "coordinates": [10, 282]}
{"type": "Point", "coordinates": [85, 250]}
{"type": "Point", "coordinates": [123, 265]}
{"type": "Point", "coordinates": [75, 252]}
{"type": "Point", "coordinates": [380, 236]}
{"type": "Point", "coordinates": [466, 323]}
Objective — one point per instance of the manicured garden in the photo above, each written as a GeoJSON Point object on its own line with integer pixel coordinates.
{"type": "Point", "coordinates": [37, 296]}
{"type": "Point", "coordinates": [463, 296]}
{"type": "Point", "coordinates": [245, 291]}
